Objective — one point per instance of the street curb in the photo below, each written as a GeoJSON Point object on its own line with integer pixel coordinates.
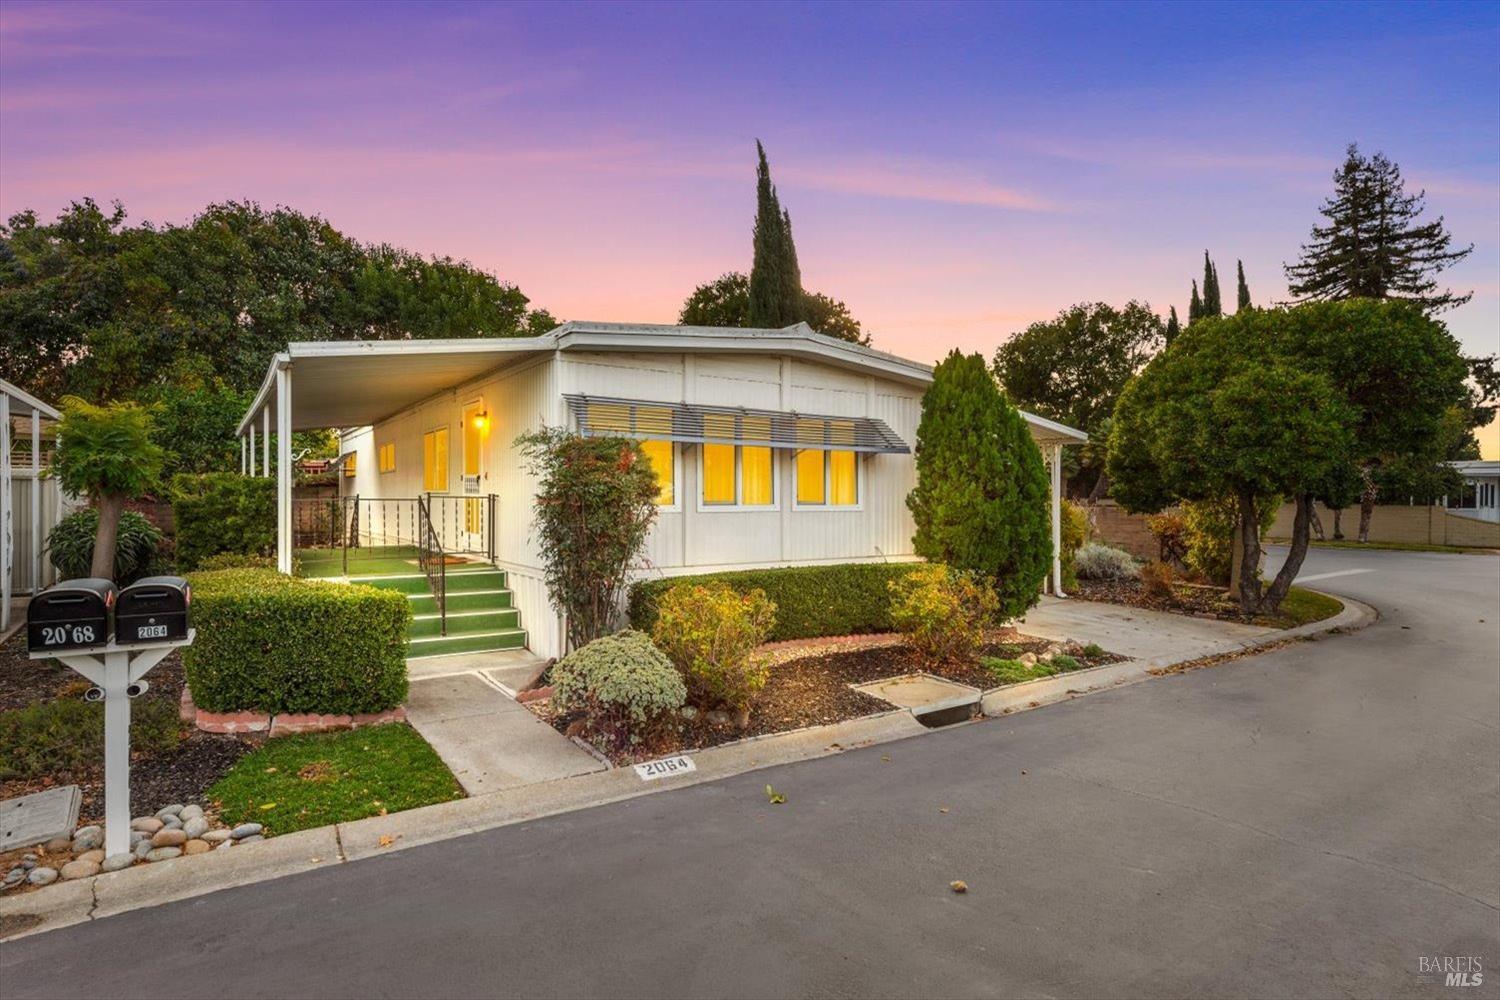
{"type": "Point", "coordinates": [289, 854]}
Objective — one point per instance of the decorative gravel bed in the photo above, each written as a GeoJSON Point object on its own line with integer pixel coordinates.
{"type": "Point", "coordinates": [810, 686]}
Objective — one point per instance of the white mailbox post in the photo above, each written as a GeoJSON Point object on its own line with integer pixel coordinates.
{"type": "Point", "coordinates": [118, 672]}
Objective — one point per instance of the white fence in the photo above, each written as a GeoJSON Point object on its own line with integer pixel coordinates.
{"type": "Point", "coordinates": [29, 565]}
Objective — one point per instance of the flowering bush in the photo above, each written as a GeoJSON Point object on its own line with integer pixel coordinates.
{"type": "Point", "coordinates": [710, 631]}
{"type": "Point", "coordinates": [942, 612]}
{"type": "Point", "coordinates": [624, 686]}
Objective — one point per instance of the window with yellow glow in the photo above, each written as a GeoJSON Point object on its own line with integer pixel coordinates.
{"type": "Point", "coordinates": [388, 457]}
{"type": "Point", "coordinates": [756, 476]}
{"type": "Point", "coordinates": [718, 473]}
{"type": "Point", "coordinates": [435, 461]}
{"type": "Point", "coordinates": [476, 428]}
{"type": "Point", "coordinates": [843, 479]}
{"type": "Point", "coordinates": [827, 478]}
{"type": "Point", "coordinates": [349, 466]}
{"type": "Point", "coordinates": [810, 485]}
{"type": "Point", "coordinates": [659, 453]}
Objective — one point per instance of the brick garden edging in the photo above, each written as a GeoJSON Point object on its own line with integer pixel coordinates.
{"type": "Point", "coordinates": [280, 725]}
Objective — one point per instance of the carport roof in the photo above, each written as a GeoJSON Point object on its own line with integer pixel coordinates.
{"type": "Point", "coordinates": [358, 383]}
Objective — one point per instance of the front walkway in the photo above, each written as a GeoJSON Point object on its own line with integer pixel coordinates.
{"type": "Point", "coordinates": [488, 740]}
{"type": "Point", "coordinates": [1137, 633]}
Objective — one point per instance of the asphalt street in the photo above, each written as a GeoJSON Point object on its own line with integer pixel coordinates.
{"type": "Point", "coordinates": [1312, 821]}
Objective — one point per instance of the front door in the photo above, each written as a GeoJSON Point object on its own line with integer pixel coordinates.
{"type": "Point", "coordinates": [475, 444]}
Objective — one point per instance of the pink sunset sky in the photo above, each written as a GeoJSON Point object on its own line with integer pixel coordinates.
{"type": "Point", "coordinates": [953, 172]}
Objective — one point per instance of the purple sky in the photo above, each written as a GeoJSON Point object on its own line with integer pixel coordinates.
{"type": "Point", "coordinates": [953, 172]}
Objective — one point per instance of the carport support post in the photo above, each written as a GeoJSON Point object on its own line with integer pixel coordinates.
{"type": "Point", "coordinates": [284, 470]}
{"type": "Point", "coordinates": [1057, 585]}
{"type": "Point", "coordinates": [242, 454]}
{"type": "Point", "coordinates": [252, 448]}
{"type": "Point", "coordinates": [265, 441]}
{"type": "Point", "coordinates": [7, 538]}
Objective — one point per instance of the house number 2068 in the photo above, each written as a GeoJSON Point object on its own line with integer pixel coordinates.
{"type": "Point", "coordinates": [56, 635]}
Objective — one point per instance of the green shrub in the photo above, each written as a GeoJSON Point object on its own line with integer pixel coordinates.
{"type": "Point", "coordinates": [70, 546]}
{"type": "Point", "coordinates": [235, 560]}
{"type": "Point", "coordinates": [1208, 534]}
{"type": "Point", "coordinates": [624, 686]}
{"type": "Point", "coordinates": [67, 734]}
{"type": "Point", "coordinates": [1013, 671]}
{"type": "Point", "coordinates": [1100, 562]}
{"type": "Point", "coordinates": [942, 612]}
{"type": "Point", "coordinates": [1093, 651]}
{"type": "Point", "coordinates": [1075, 531]}
{"type": "Point", "coordinates": [811, 601]}
{"type": "Point", "coordinates": [1157, 579]}
{"type": "Point", "coordinates": [1064, 663]}
{"type": "Point", "coordinates": [709, 631]}
{"type": "Point", "coordinates": [222, 512]}
{"type": "Point", "coordinates": [274, 643]}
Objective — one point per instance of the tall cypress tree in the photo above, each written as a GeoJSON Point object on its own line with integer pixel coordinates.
{"type": "Point", "coordinates": [1195, 306]}
{"type": "Point", "coordinates": [1242, 297]}
{"type": "Point", "coordinates": [775, 280]}
{"type": "Point", "coordinates": [1213, 304]}
{"type": "Point", "coordinates": [1172, 328]}
{"type": "Point", "coordinates": [980, 503]}
{"type": "Point", "coordinates": [1372, 245]}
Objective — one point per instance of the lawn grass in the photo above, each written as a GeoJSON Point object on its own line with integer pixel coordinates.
{"type": "Point", "coordinates": [1347, 543]}
{"type": "Point", "coordinates": [313, 779]}
{"type": "Point", "coordinates": [1301, 607]}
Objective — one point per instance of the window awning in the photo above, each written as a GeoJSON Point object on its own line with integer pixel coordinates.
{"type": "Point", "coordinates": [603, 415]}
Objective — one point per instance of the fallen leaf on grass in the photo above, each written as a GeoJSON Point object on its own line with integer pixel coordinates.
{"type": "Point", "coordinates": [776, 797]}
{"type": "Point", "coordinates": [267, 805]}
{"type": "Point", "coordinates": [959, 886]}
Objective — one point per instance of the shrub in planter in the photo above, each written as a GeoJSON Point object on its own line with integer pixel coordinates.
{"type": "Point", "coordinates": [235, 560]}
{"type": "Point", "coordinates": [1208, 534]}
{"type": "Point", "coordinates": [66, 734]}
{"type": "Point", "coordinates": [1100, 562]}
{"type": "Point", "coordinates": [710, 631]}
{"type": "Point", "coordinates": [222, 512]}
{"type": "Point", "coordinates": [1075, 531]}
{"type": "Point", "coordinates": [942, 612]}
{"type": "Point", "coordinates": [70, 546]}
{"type": "Point", "coordinates": [811, 601]}
{"type": "Point", "coordinates": [1157, 579]}
{"type": "Point", "coordinates": [625, 687]}
{"type": "Point", "coordinates": [273, 643]}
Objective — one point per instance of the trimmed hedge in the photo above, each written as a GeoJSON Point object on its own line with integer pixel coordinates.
{"type": "Point", "coordinates": [273, 643]}
{"type": "Point", "coordinates": [811, 601]}
{"type": "Point", "coordinates": [222, 512]}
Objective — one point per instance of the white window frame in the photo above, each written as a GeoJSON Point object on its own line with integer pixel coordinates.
{"type": "Point", "coordinates": [826, 506]}
{"type": "Point", "coordinates": [379, 447]}
{"type": "Point", "coordinates": [675, 507]}
{"type": "Point", "coordinates": [739, 506]}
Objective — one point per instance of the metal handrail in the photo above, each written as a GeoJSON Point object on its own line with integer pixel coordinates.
{"type": "Point", "coordinates": [430, 549]}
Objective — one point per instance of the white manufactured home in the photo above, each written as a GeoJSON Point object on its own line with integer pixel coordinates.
{"type": "Point", "coordinates": [773, 447]}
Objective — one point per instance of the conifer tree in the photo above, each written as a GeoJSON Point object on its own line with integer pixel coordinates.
{"type": "Point", "coordinates": [775, 280]}
{"type": "Point", "coordinates": [1213, 304]}
{"type": "Point", "coordinates": [1173, 329]}
{"type": "Point", "coordinates": [1195, 306]}
{"type": "Point", "coordinates": [1372, 244]}
{"type": "Point", "coordinates": [981, 498]}
{"type": "Point", "coordinates": [1242, 296]}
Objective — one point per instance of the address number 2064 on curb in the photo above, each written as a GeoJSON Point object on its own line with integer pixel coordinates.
{"type": "Point", "coordinates": [666, 767]}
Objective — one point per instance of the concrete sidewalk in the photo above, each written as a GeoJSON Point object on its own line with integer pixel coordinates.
{"type": "Point", "coordinates": [1138, 633]}
{"type": "Point", "coordinates": [488, 740]}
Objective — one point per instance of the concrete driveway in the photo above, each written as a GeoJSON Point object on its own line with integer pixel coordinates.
{"type": "Point", "coordinates": [1308, 822]}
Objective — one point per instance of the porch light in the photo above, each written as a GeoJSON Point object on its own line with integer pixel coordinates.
{"type": "Point", "coordinates": [481, 420]}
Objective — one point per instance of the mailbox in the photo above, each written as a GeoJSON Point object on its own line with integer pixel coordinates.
{"type": "Point", "coordinates": [154, 609]}
{"type": "Point", "coordinates": [73, 614]}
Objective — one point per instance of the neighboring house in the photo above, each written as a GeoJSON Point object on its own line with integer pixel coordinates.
{"type": "Point", "coordinates": [773, 447]}
{"type": "Point", "coordinates": [29, 503]}
{"type": "Point", "coordinates": [1480, 498]}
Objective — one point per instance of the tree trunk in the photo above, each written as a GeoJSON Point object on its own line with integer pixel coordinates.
{"type": "Point", "coordinates": [1338, 531]}
{"type": "Point", "coordinates": [1317, 525]}
{"type": "Point", "coordinates": [1293, 564]}
{"type": "Point", "coordinates": [1366, 504]}
{"type": "Point", "coordinates": [1101, 487]}
{"type": "Point", "coordinates": [1249, 577]}
{"type": "Point", "coordinates": [107, 537]}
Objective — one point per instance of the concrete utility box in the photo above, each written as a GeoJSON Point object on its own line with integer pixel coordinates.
{"type": "Point", "coordinates": [153, 610]}
{"type": "Point", "coordinates": [73, 614]}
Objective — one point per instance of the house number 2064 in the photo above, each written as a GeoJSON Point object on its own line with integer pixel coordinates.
{"type": "Point", "coordinates": [665, 768]}
{"type": "Point", "coordinates": [56, 635]}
